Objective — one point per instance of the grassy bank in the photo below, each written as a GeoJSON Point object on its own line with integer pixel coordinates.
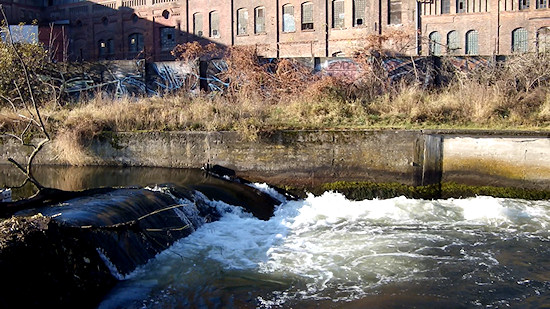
{"type": "Point", "coordinates": [506, 95]}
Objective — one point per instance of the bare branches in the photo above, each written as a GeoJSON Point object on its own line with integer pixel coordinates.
{"type": "Point", "coordinates": [34, 119]}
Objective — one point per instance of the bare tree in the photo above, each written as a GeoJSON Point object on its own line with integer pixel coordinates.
{"type": "Point", "coordinates": [33, 119]}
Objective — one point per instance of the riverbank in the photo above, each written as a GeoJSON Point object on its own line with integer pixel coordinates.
{"type": "Point", "coordinates": [313, 158]}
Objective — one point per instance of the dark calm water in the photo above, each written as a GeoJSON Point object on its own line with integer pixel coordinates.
{"type": "Point", "coordinates": [84, 177]}
{"type": "Point", "coordinates": [329, 252]}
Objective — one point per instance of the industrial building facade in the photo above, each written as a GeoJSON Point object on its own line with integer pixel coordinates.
{"type": "Point", "coordinates": [128, 29]}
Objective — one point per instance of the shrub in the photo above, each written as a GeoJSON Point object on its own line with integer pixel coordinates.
{"type": "Point", "coordinates": [13, 87]}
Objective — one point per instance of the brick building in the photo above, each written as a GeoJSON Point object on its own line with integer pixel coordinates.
{"type": "Point", "coordinates": [127, 29]}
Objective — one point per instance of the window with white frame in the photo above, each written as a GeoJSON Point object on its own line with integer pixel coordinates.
{"type": "Point", "coordinates": [453, 42]}
{"type": "Point", "coordinates": [214, 24]}
{"type": "Point", "coordinates": [543, 40]}
{"type": "Point", "coordinates": [435, 43]}
{"type": "Point", "coordinates": [242, 21]}
{"type": "Point", "coordinates": [519, 41]}
{"type": "Point", "coordinates": [259, 20]}
{"type": "Point", "coordinates": [338, 14]}
{"type": "Point", "coordinates": [359, 7]}
{"type": "Point", "coordinates": [472, 44]}
{"type": "Point", "coordinates": [198, 25]}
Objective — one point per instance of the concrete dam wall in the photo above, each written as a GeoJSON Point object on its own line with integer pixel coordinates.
{"type": "Point", "coordinates": [412, 157]}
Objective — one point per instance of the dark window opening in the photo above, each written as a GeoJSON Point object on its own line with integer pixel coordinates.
{"type": "Point", "coordinates": [523, 4]}
{"type": "Point", "coordinates": [307, 26]}
{"type": "Point", "coordinates": [460, 6]}
{"type": "Point", "coordinates": [167, 38]}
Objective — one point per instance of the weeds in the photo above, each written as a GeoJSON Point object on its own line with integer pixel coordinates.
{"type": "Point", "coordinates": [514, 94]}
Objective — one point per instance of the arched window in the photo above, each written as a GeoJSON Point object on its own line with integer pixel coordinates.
{"type": "Point", "coordinates": [259, 20]}
{"type": "Point", "coordinates": [105, 21]}
{"type": "Point", "coordinates": [289, 25]}
{"type": "Point", "coordinates": [543, 40]}
{"type": "Point", "coordinates": [471, 47]}
{"type": "Point", "coordinates": [242, 21]}
{"type": "Point", "coordinates": [214, 24]}
{"type": "Point", "coordinates": [197, 24]}
{"type": "Point", "coordinates": [359, 7]}
{"type": "Point", "coordinates": [135, 43]}
{"type": "Point", "coordinates": [435, 43]}
{"type": "Point", "coordinates": [307, 16]}
{"type": "Point", "coordinates": [338, 14]}
{"type": "Point", "coordinates": [519, 41]}
{"type": "Point", "coordinates": [453, 43]}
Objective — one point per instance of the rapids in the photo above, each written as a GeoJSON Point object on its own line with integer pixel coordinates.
{"type": "Point", "coordinates": [330, 252]}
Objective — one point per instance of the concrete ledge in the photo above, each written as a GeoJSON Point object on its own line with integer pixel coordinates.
{"type": "Point", "coordinates": [412, 157]}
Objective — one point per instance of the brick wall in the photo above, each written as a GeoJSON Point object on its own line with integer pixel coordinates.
{"type": "Point", "coordinates": [102, 29]}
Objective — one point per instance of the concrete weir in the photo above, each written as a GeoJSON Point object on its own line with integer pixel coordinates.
{"type": "Point", "coordinates": [411, 157]}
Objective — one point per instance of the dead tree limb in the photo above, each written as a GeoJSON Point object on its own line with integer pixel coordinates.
{"type": "Point", "coordinates": [34, 119]}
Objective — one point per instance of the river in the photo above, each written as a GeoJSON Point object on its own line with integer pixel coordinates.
{"type": "Point", "coordinates": [330, 252]}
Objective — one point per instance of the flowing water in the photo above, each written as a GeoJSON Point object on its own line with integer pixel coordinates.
{"type": "Point", "coordinates": [330, 252]}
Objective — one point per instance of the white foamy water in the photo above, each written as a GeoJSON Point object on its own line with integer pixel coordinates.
{"type": "Point", "coordinates": [330, 251]}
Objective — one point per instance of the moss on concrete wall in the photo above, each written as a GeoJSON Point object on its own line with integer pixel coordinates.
{"type": "Point", "coordinates": [408, 157]}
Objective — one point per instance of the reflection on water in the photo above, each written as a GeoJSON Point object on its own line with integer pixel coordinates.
{"type": "Point", "coordinates": [85, 177]}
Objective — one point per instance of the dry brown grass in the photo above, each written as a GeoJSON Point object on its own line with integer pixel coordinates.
{"type": "Point", "coordinates": [288, 96]}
